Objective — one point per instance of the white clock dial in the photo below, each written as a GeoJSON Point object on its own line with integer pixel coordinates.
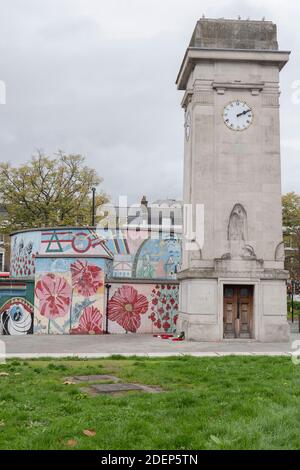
{"type": "Point", "coordinates": [238, 115]}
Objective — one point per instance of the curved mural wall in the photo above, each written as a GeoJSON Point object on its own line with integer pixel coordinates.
{"type": "Point", "coordinates": [69, 267]}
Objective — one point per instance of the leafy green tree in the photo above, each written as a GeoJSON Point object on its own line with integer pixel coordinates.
{"type": "Point", "coordinates": [48, 192]}
{"type": "Point", "coordinates": [291, 232]}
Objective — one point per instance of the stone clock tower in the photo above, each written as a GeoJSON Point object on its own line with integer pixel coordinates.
{"type": "Point", "coordinates": [234, 284]}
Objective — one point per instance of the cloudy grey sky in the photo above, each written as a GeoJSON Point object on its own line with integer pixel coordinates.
{"type": "Point", "coordinates": [97, 77]}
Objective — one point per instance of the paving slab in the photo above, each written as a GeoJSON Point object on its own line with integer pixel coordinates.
{"type": "Point", "coordinates": [114, 388]}
{"type": "Point", "coordinates": [201, 354]}
{"type": "Point", "coordinates": [272, 353]}
{"type": "Point", "coordinates": [94, 378]}
{"type": "Point", "coordinates": [103, 346]}
{"type": "Point", "coordinates": [163, 354]}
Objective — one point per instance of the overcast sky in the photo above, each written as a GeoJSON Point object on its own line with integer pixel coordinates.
{"type": "Point", "coordinates": [98, 77]}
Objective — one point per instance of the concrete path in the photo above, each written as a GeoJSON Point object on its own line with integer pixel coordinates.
{"type": "Point", "coordinates": [134, 344]}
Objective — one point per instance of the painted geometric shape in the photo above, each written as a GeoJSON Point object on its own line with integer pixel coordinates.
{"type": "Point", "coordinates": [54, 245]}
{"type": "Point", "coordinates": [81, 242]}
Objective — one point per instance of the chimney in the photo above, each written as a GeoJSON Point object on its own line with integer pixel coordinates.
{"type": "Point", "coordinates": [144, 201]}
{"type": "Point", "coordinates": [147, 219]}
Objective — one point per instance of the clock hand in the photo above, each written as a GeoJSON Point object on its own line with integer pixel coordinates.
{"type": "Point", "coordinates": [243, 112]}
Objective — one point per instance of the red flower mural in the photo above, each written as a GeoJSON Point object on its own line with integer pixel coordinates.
{"type": "Point", "coordinates": [54, 294]}
{"type": "Point", "coordinates": [86, 278]}
{"type": "Point", "coordinates": [164, 307]}
{"type": "Point", "coordinates": [90, 322]}
{"type": "Point", "coordinates": [126, 307]}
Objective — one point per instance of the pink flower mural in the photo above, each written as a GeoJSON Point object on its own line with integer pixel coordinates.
{"type": "Point", "coordinates": [86, 278]}
{"type": "Point", "coordinates": [126, 307]}
{"type": "Point", "coordinates": [54, 294]}
{"type": "Point", "coordinates": [90, 322]}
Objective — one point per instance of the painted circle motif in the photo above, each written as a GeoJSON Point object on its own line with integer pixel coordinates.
{"type": "Point", "coordinates": [17, 317]}
{"type": "Point", "coordinates": [81, 242]}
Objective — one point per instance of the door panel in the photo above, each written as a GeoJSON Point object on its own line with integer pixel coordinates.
{"type": "Point", "coordinates": [238, 301]}
{"type": "Point", "coordinates": [230, 311]}
{"type": "Point", "coordinates": [229, 319]}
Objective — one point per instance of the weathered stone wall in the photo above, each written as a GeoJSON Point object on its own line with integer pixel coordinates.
{"type": "Point", "coordinates": [235, 34]}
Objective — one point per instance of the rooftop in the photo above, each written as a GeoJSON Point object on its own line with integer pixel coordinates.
{"type": "Point", "coordinates": [234, 34]}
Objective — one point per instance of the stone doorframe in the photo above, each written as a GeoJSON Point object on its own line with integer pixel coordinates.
{"type": "Point", "coordinates": [256, 302]}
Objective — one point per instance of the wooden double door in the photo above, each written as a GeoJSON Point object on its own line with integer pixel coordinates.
{"type": "Point", "coordinates": [238, 311]}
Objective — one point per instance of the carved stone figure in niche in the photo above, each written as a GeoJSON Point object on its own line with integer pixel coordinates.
{"type": "Point", "coordinates": [237, 235]}
{"type": "Point", "coordinates": [237, 227]}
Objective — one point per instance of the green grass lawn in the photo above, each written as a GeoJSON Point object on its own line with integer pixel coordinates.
{"type": "Point", "coordinates": [207, 403]}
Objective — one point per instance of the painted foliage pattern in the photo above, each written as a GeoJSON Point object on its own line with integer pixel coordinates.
{"type": "Point", "coordinates": [164, 307]}
{"type": "Point", "coordinates": [24, 249]}
{"type": "Point", "coordinates": [70, 301]}
{"type": "Point", "coordinates": [147, 308]}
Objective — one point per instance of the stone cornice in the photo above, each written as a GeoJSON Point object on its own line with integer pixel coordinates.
{"type": "Point", "coordinates": [201, 92]}
{"type": "Point", "coordinates": [195, 54]}
{"type": "Point", "coordinates": [221, 87]}
{"type": "Point", "coordinates": [265, 274]}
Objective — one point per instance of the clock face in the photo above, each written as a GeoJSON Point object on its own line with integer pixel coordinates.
{"type": "Point", "coordinates": [238, 115]}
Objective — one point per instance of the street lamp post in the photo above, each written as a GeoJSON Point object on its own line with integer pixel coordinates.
{"type": "Point", "coordinates": [292, 282]}
{"type": "Point", "coordinates": [94, 207]}
{"type": "Point", "coordinates": [108, 286]}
